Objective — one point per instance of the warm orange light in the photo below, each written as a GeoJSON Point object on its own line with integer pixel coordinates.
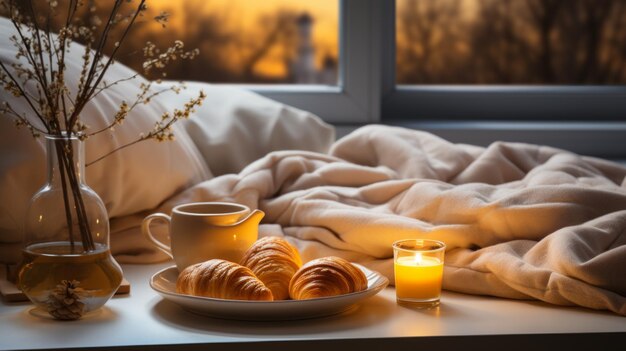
{"type": "Point", "coordinates": [418, 269]}
{"type": "Point", "coordinates": [245, 18]}
{"type": "Point", "coordinates": [418, 277]}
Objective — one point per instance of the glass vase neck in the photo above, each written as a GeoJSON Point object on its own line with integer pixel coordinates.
{"type": "Point", "coordinates": [66, 153]}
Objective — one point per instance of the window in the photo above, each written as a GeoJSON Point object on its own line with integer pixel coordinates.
{"type": "Point", "coordinates": [246, 42]}
{"type": "Point", "coordinates": [525, 60]}
{"type": "Point", "coordinates": [368, 92]}
{"type": "Point", "coordinates": [529, 42]}
{"type": "Point", "coordinates": [469, 70]}
{"type": "Point", "coordinates": [315, 55]}
{"type": "Point", "coordinates": [583, 111]}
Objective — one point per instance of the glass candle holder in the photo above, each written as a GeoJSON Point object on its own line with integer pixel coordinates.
{"type": "Point", "coordinates": [418, 270]}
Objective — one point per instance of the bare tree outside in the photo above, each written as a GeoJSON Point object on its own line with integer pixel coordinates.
{"type": "Point", "coordinates": [237, 49]}
{"type": "Point", "coordinates": [240, 41]}
{"type": "Point", "coordinates": [511, 42]}
{"type": "Point", "coordinates": [532, 42]}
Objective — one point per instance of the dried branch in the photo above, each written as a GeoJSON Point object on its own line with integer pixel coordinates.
{"type": "Point", "coordinates": [40, 81]}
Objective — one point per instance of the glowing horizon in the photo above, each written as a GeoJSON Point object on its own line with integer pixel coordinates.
{"type": "Point", "coordinates": [245, 20]}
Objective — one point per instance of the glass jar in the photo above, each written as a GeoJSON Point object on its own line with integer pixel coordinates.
{"type": "Point", "coordinates": [67, 267]}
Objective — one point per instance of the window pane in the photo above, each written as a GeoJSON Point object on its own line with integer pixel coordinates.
{"type": "Point", "coordinates": [248, 41]}
{"type": "Point", "coordinates": [242, 41]}
{"type": "Point", "coordinates": [511, 41]}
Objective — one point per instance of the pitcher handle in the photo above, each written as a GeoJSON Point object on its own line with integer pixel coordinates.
{"type": "Point", "coordinates": [145, 229]}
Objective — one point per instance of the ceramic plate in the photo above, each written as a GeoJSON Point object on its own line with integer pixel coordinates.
{"type": "Point", "coordinates": [164, 282]}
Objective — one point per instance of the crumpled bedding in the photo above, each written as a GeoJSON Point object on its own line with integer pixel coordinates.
{"type": "Point", "coordinates": [520, 221]}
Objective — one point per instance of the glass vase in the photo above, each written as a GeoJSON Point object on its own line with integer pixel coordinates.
{"type": "Point", "coordinates": [67, 267]}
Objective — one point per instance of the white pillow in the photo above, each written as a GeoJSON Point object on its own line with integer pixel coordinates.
{"type": "Point", "coordinates": [234, 127]}
{"type": "Point", "coordinates": [131, 180]}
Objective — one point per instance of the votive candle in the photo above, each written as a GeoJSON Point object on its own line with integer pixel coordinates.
{"type": "Point", "coordinates": [418, 269]}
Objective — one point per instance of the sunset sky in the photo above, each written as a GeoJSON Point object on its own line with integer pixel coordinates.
{"type": "Point", "coordinates": [438, 41]}
{"type": "Point", "coordinates": [243, 17]}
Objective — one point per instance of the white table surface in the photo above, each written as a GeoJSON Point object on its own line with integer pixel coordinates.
{"type": "Point", "coordinates": [143, 320]}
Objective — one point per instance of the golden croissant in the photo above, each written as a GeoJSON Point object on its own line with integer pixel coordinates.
{"type": "Point", "coordinates": [223, 280]}
{"type": "Point", "coordinates": [274, 261]}
{"type": "Point", "coordinates": [326, 276]}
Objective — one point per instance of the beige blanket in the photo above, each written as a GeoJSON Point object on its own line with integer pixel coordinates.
{"type": "Point", "coordinates": [520, 221]}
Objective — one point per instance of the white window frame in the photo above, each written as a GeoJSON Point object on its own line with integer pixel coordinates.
{"type": "Point", "coordinates": [356, 98]}
{"type": "Point", "coordinates": [560, 116]}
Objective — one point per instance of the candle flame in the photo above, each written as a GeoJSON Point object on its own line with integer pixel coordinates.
{"type": "Point", "coordinates": [417, 258]}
